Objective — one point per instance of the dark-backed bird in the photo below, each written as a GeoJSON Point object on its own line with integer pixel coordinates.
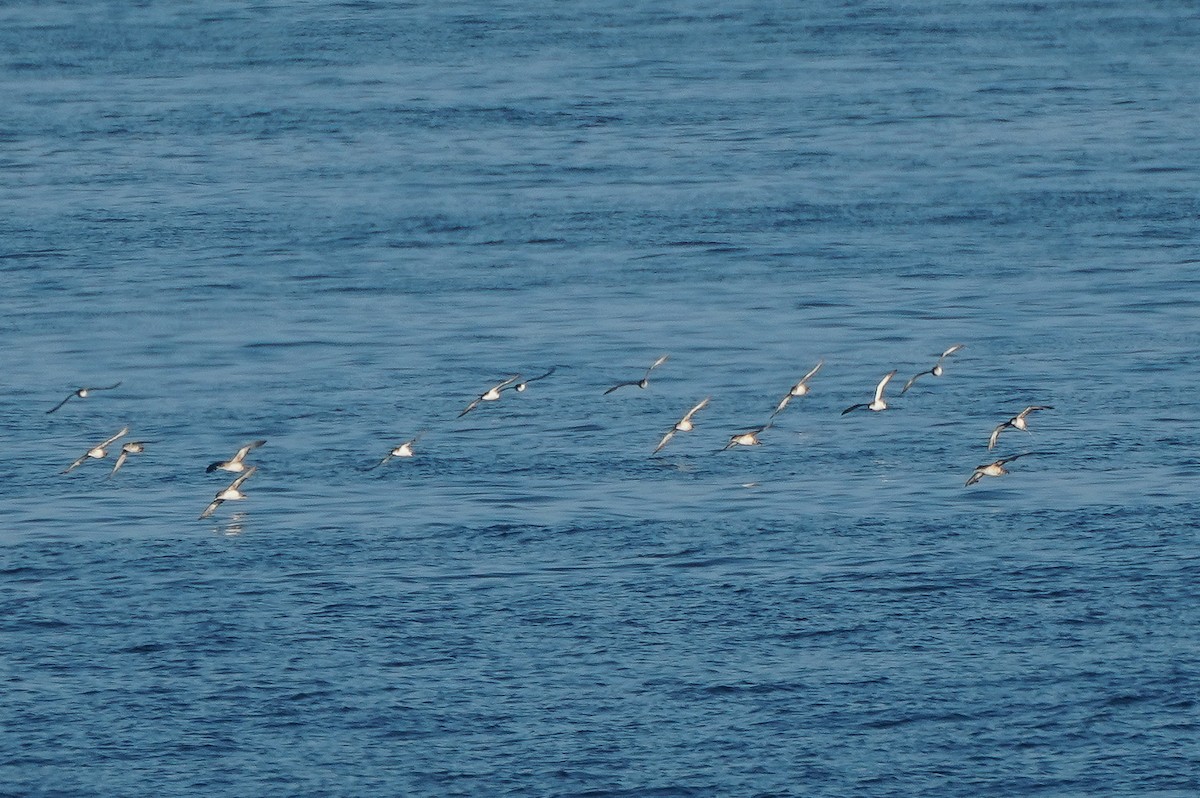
{"type": "Point", "coordinates": [82, 393]}
{"type": "Point", "coordinates": [403, 450]}
{"type": "Point", "coordinates": [747, 438]}
{"type": "Point", "coordinates": [237, 463]}
{"type": "Point", "coordinates": [97, 452]}
{"type": "Point", "coordinates": [523, 384]}
{"type": "Point", "coordinates": [1016, 422]}
{"type": "Point", "coordinates": [682, 425]}
{"type": "Point", "coordinates": [644, 381]}
{"type": "Point", "coordinates": [128, 448]}
{"type": "Point", "coordinates": [993, 469]}
{"type": "Point", "coordinates": [936, 370]}
{"type": "Point", "coordinates": [878, 403]}
{"type": "Point", "coordinates": [231, 493]}
{"type": "Point", "coordinates": [490, 395]}
{"type": "Point", "coordinates": [799, 389]}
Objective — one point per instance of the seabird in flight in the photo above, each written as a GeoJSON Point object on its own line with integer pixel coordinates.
{"type": "Point", "coordinates": [937, 367]}
{"type": "Point", "coordinates": [644, 381]}
{"type": "Point", "coordinates": [231, 493]}
{"type": "Point", "coordinates": [682, 425]}
{"type": "Point", "coordinates": [1016, 422]}
{"type": "Point", "coordinates": [491, 394]}
{"type": "Point", "coordinates": [236, 463]}
{"type": "Point", "coordinates": [403, 450]}
{"type": "Point", "coordinates": [128, 448]}
{"type": "Point", "coordinates": [799, 389]}
{"type": "Point", "coordinates": [82, 393]}
{"type": "Point", "coordinates": [97, 452]}
{"type": "Point", "coordinates": [523, 384]}
{"type": "Point", "coordinates": [877, 404]}
{"type": "Point", "coordinates": [993, 469]}
{"type": "Point", "coordinates": [748, 438]}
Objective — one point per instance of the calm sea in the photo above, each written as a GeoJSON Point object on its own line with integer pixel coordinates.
{"type": "Point", "coordinates": [332, 225]}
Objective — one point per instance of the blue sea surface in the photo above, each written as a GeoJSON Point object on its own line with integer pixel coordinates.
{"type": "Point", "coordinates": [333, 225]}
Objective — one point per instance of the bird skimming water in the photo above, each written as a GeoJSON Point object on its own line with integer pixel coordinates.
{"type": "Point", "coordinates": [682, 425]}
{"type": "Point", "coordinates": [523, 384]}
{"type": "Point", "coordinates": [128, 448]}
{"type": "Point", "coordinates": [747, 438]}
{"type": "Point", "coordinates": [1016, 422]}
{"type": "Point", "coordinates": [403, 450]}
{"type": "Point", "coordinates": [993, 469]}
{"type": "Point", "coordinates": [97, 452]}
{"type": "Point", "coordinates": [878, 403]}
{"type": "Point", "coordinates": [799, 389]}
{"type": "Point", "coordinates": [935, 371]}
{"type": "Point", "coordinates": [236, 464]}
{"type": "Point", "coordinates": [491, 394]}
{"type": "Point", "coordinates": [645, 380]}
{"type": "Point", "coordinates": [231, 493]}
{"type": "Point", "coordinates": [82, 393]}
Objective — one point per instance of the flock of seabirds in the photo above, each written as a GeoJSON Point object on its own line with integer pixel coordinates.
{"type": "Point", "coordinates": [237, 464]}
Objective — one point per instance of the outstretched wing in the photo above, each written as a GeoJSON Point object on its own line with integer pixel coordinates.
{"type": "Point", "coordinates": [1033, 408]}
{"type": "Point", "coordinates": [245, 475]}
{"type": "Point", "coordinates": [700, 406]}
{"type": "Point", "coordinates": [913, 379]}
{"type": "Point", "coordinates": [539, 377]}
{"type": "Point", "coordinates": [812, 372]}
{"type": "Point", "coordinates": [82, 459]}
{"type": "Point", "coordinates": [1015, 456]}
{"type": "Point", "coordinates": [60, 404]}
{"type": "Point", "coordinates": [883, 384]}
{"type": "Point", "coordinates": [470, 407]}
{"type": "Point", "coordinates": [377, 465]}
{"type": "Point", "coordinates": [500, 386]}
{"type": "Point", "coordinates": [621, 385]}
{"type": "Point", "coordinates": [995, 435]}
{"type": "Point", "coordinates": [122, 433]}
{"type": "Point", "coordinates": [950, 351]}
{"type": "Point", "coordinates": [245, 450]}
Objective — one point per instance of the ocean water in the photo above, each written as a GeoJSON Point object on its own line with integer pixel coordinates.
{"type": "Point", "coordinates": [333, 225]}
